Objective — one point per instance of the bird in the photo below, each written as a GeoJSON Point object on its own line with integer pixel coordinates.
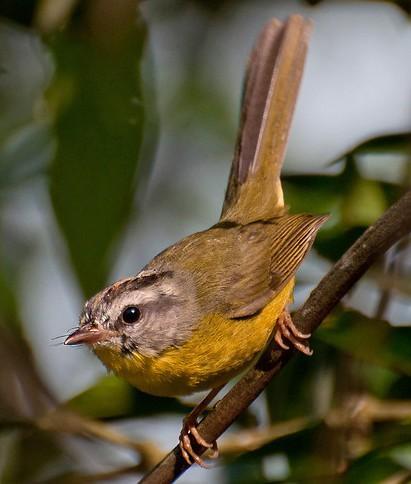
{"type": "Point", "coordinates": [200, 312]}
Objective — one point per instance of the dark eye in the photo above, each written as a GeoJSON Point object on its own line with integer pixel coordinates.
{"type": "Point", "coordinates": [131, 315]}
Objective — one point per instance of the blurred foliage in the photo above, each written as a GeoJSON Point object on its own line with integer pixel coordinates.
{"type": "Point", "coordinates": [370, 340]}
{"type": "Point", "coordinates": [97, 401]}
{"type": "Point", "coordinates": [98, 117]}
{"type": "Point", "coordinates": [353, 397]}
{"type": "Point", "coordinates": [353, 201]}
{"type": "Point", "coordinates": [214, 7]}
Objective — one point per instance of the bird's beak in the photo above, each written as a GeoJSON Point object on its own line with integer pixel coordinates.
{"type": "Point", "coordinates": [86, 334]}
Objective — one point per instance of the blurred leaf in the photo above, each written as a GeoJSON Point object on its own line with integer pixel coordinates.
{"type": "Point", "coordinates": [196, 98]}
{"type": "Point", "coordinates": [392, 435]}
{"type": "Point", "coordinates": [325, 194]}
{"type": "Point", "coordinates": [23, 393]}
{"type": "Point", "coordinates": [308, 459]}
{"type": "Point", "coordinates": [25, 154]}
{"type": "Point", "coordinates": [364, 203]}
{"type": "Point", "coordinates": [314, 455]}
{"type": "Point", "coordinates": [371, 469]}
{"type": "Point", "coordinates": [245, 471]}
{"type": "Point", "coordinates": [99, 122]}
{"type": "Point", "coordinates": [380, 380]}
{"type": "Point", "coordinates": [397, 143]}
{"type": "Point", "coordinates": [8, 304]}
{"type": "Point", "coordinates": [388, 458]}
{"type": "Point", "coordinates": [18, 10]}
{"type": "Point", "coordinates": [112, 397]}
{"type": "Point", "coordinates": [400, 387]}
{"type": "Point", "coordinates": [313, 193]}
{"type": "Point", "coordinates": [33, 452]}
{"type": "Point", "coordinates": [123, 474]}
{"type": "Point", "coordinates": [294, 391]}
{"type": "Point", "coordinates": [353, 202]}
{"type": "Point", "coordinates": [402, 455]}
{"type": "Point", "coordinates": [337, 240]}
{"type": "Point", "coordinates": [25, 138]}
{"type": "Point", "coordinates": [368, 339]}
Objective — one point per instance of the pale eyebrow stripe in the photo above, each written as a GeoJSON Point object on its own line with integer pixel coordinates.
{"type": "Point", "coordinates": [135, 283]}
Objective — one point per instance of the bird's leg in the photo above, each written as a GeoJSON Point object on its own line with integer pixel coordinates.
{"type": "Point", "coordinates": [286, 329]}
{"type": "Point", "coordinates": [190, 428]}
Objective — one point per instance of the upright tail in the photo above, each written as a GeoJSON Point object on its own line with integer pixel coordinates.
{"type": "Point", "coordinates": [271, 86]}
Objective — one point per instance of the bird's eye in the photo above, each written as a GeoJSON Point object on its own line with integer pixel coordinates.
{"type": "Point", "coordinates": [131, 315]}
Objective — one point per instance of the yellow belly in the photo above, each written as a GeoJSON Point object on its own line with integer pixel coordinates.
{"type": "Point", "coordinates": [218, 350]}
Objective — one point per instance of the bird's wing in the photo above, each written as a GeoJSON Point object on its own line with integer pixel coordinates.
{"type": "Point", "coordinates": [268, 256]}
{"type": "Point", "coordinates": [250, 284]}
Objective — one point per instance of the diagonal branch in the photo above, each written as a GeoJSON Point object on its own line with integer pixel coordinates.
{"type": "Point", "coordinates": [389, 229]}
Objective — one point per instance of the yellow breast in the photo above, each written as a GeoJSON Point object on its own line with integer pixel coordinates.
{"type": "Point", "coordinates": [218, 350]}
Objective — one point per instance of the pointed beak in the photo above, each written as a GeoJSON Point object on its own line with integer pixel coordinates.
{"type": "Point", "coordinates": [86, 334]}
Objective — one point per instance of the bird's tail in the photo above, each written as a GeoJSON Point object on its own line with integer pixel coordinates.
{"type": "Point", "coordinates": [271, 86]}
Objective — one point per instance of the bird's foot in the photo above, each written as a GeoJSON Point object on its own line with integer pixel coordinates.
{"type": "Point", "coordinates": [286, 329]}
{"type": "Point", "coordinates": [190, 430]}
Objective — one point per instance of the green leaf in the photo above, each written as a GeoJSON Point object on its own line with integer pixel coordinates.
{"type": "Point", "coordinates": [396, 143]}
{"type": "Point", "coordinates": [313, 193]}
{"type": "Point", "coordinates": [364, 203]}
{"type": "Point", "coordinates": [96, 97]}
{"type": "Point", "coordinates": [287, 399]}
{"type": "Point", "coordinates": [371, 469]}
{"type": "Point", "coordinates": [368, 339]}
{"type": "Point", "coordinates": [33, 453]}
{"type": "Point", "coordinates": [112, 397]}
{"type": "Point", "coordinates": [8, 304]}
{"type": "Point", "coordinates": [24, 155]}
{"type": "Point", "coordinates": [307, 458]}
{"type": "Point", "coordinates": [109, 397]}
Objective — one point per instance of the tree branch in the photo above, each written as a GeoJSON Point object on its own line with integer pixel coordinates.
{"type": "Point", "coordinates": [389, 228]}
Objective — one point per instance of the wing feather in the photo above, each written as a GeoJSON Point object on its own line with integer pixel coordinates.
{"type": "Point", "coordinates": [267, 262]}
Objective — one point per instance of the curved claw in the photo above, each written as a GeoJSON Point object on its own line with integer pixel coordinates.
{"type": "Point", "coordinates": [187, 451]}
{"type": "Point", "coordinates": [279, 340]}
{"type": "Point", "coordinates": [214, 453]}
{"type": "Point", "coordinates": [286, 329]}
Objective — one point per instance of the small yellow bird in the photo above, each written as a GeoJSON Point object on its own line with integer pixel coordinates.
{"type": "Point", "coordinates": [202, 310]}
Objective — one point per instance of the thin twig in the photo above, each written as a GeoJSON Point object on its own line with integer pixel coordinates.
{"type": "Point", "coordinates": [87, 478]}
{"type": "Point", "coordinates": [65, 421]}
{"type": "Point", "coordinates": [252, 439]}
{"type": "Point", "coordinates": [394, 224]}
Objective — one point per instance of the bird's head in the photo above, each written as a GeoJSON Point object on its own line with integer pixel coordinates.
{"type": "Point", "coordinates": [146, 314]}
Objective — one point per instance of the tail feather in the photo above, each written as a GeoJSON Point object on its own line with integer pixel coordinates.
{"type": "Point", "coordinates": [274, 73]}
